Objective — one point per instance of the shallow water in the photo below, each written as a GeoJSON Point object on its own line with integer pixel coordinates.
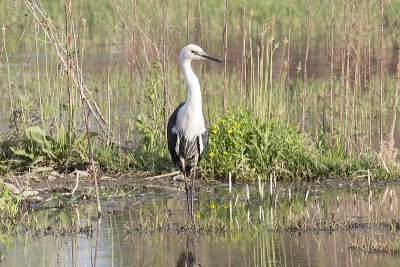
{"type": "Point", "coordinates": [151, 228]}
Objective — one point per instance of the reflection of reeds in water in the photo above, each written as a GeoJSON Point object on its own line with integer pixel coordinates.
{"type": "Point", "coordinates": [283, 228]}
{"type": "Point", "coordinates": [296, 227]}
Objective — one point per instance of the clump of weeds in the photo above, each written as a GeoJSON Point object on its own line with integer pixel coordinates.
{"type": "Point", "coordinates": [9, 203]}
{"type": "Point", "coordinates": [35, 147]}
{"type": "Point", "coordinates": [248, 147]}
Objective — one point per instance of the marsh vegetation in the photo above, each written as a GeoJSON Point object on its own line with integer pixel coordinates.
{"type": "Point", "coordinates": [308, 93]}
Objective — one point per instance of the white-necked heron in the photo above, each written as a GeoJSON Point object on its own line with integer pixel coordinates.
{"type": "Point", "coordinates": [186, 131]}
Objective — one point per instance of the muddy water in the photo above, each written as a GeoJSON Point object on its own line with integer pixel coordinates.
{"type": "Point", "coordinates": [313, 225]}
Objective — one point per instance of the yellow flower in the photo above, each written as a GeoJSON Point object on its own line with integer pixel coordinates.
{"type": "Point", "coordinates": [215, 131]}
{"type": "Point", "coordinates": [223, 121]}
{"type": "Point", "coordinates": [230, 131]}
{"type": "Point", "coordinates": [212, 205]}
{"type": "Point", "coordinates": [212, 154]}
{"type": "Point", "coordinates": [235, 124]}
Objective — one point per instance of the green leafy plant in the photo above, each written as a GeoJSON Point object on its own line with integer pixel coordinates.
{"type": "Point", "coordinates": [248, 147]}
{"type": "Point", "coordinates": [150, 121]}
{"type": "Point", "coordinates": [37, 146]}
{"type": "Point", "coordinates": [9, 202]}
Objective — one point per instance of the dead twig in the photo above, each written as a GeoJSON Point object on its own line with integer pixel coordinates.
{"type": "Point", "coordinates": [161, 176]}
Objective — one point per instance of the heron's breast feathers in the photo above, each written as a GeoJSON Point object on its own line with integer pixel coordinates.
{"type": "Point", "coordinates": [187, 144]}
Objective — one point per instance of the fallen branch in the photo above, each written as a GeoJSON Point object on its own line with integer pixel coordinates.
{"type": "Point", "coordinates": [162, 176]}
{"type": "Point", "coordinates": [76, 184]}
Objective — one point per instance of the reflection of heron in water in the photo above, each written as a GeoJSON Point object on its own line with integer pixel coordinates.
{"type": "Point", "coordinates": [187, 258]}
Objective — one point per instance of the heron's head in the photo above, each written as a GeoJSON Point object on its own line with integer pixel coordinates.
{"type": "Point", "coordinates": [192, 51]}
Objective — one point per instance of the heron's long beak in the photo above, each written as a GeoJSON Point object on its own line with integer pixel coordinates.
{"type": "Point", "coordinates": [208, 56]}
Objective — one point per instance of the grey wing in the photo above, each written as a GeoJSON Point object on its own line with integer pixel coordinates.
{"type": "Point", "coordinates": [204, 139]}
{"type": "Point", "coordinates": [172, 136]}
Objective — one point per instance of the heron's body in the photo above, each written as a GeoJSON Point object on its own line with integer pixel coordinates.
{"type": "Point", "coordinates": [186, 131]}
{"type": "Point", "coordinates": [186, 147]}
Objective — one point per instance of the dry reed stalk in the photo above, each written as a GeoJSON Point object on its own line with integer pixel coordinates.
{"type": "Point", "coordinates": [326, 120]}
{"type": "Point", "coordinates": [260, 69]}
{"type": "Point", "coordinates": [380, 71]}
{"type": "Point", "coordinates": [287, 87]}
{"type": "Point", "coordinates": [395, 99]}
{"type": "Point", "coordinates": [283, 76]}
{"type": "Point", "coordinates": [71, 122]}
{"type": "Point", "coordinates": [251, 81]}
{"type": "Point", "coordinates": [203, 77]}
{"type": "Point", "coordinates": [187, 21]}
{"type": "Point", "coordinates": [368, 75]}
{"type": "Point", "coordinates": [343, 65]}
{"type": "Point", "coordinates": [4, 51]}
{"type": "Point", "coordinates": [3, 30]}
{"type": "Point", "coordinates": [331, 77]}
{"type": "Point", "coordinates": [258, 83]}
{"type": "Point", "coordinates": [165, 66]}
{"type": "Point", "coordinates": [225, 54]}
{"type": "Point", "coordinates": [354, 117]}
{"type": "Point", "coordinates": [243, 77]}
{"type": "Point", "coordinates": [39, 87]}
{"type": "Point", "coordinates": [109, 100]}
{"type": "Point", "coordinates": [270, 52]}
{"type": "Point", "coordinates": [132, 60]}
{"type": "Point", "coordinates": [345, 73]}
{"type": "Point", "coordinates": [304, 94]}
{"type": "Point", "coordinates": [346, 90]}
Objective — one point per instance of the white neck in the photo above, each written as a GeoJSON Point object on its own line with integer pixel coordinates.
{"type": "Point", "coordinates": [190, 118]}
{"type": "Point", "coordinates": [193, 94]}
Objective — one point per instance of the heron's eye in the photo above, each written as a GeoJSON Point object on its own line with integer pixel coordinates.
{"type": "Point", "coordinates": [194, 52]}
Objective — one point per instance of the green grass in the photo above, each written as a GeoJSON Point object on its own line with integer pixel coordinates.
{"type": "Point", "coordinates": [248, 148]}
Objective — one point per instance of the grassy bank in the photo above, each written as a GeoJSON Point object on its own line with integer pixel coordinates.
{"type": "Point", "coordinates": [247, 148]}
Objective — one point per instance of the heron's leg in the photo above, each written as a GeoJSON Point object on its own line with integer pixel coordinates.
{"type": "Point", "coordinates": [186, 184]}
{"type": "Point", "coordinates": [193, 176]}
{"type": "Point", "coordinates": [184, 173]}
{"type": "Point", "coordinates": [190, 198]}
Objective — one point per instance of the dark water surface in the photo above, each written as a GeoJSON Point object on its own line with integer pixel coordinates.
{"type": "Point", "coordinates": [313, 225]}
